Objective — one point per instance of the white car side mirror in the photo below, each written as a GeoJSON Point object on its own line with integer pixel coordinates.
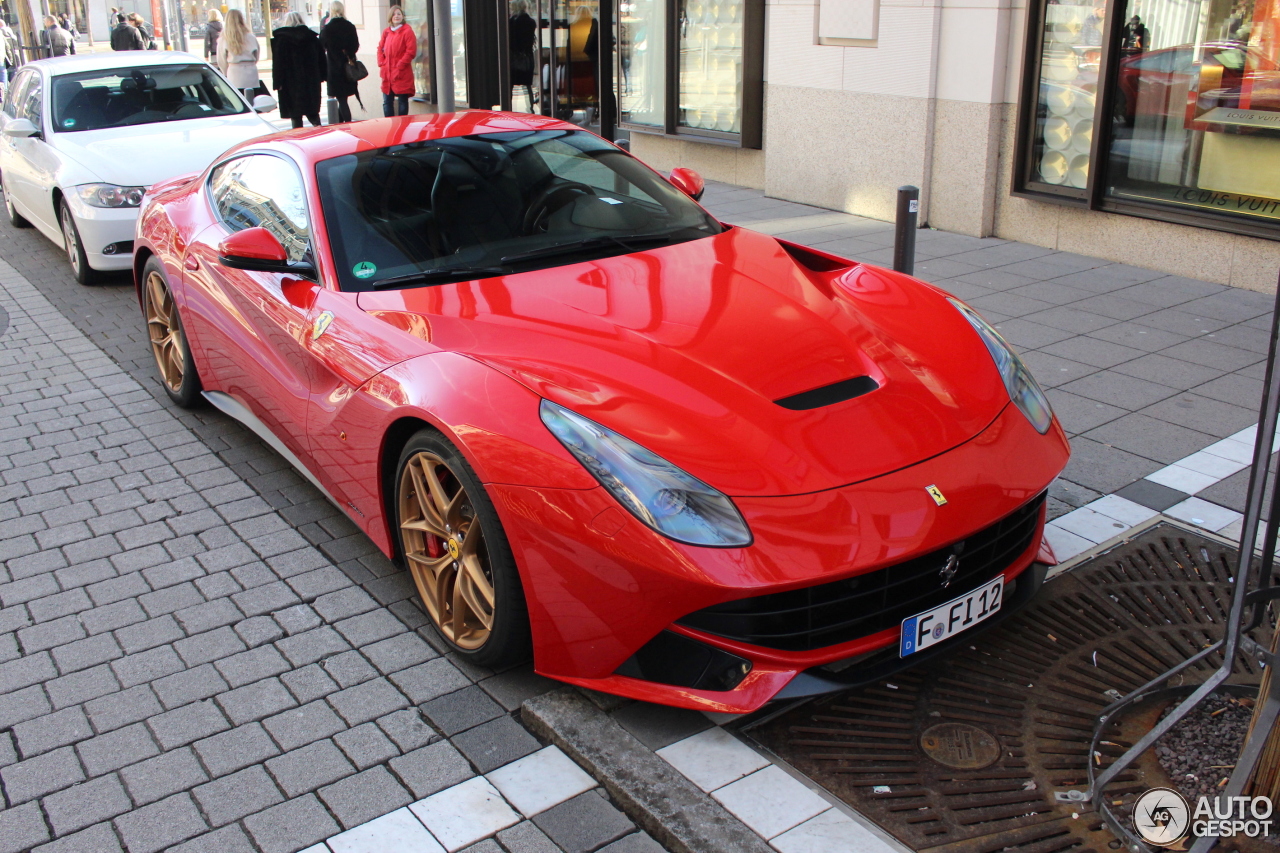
{"type": "Point", "coordinates": [19, 128]}
{"type": "Point", "coordinates": [264, 104]}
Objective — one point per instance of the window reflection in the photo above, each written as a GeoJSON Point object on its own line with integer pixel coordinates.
{"type": "Point", "coordinates": [642, 59]}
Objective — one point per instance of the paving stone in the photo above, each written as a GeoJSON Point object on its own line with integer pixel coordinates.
{"type": "Point", "coordinates": [146, 666]}
{"type": "Point", "coordinates": [163, 775]}
{"type": "Point", "coordinates": [348, 669]}
{"type": "Point", "coordinates": [149, 634]}
{"type": "Point", "coordinates": [21, 705]}
{"type": "Point", "coordinates": [308, 768]}
{"type": "Point", "coordinates": [365, 745]}
{"type": "Point", "coordinates": [22, 828]}
{"type": "Point", "coordinates": [291, 825]}
{"type": "Point", "coordinates": [117, 749]}
{"type": "Point", "coordinates": [525, 837]}
{"type": "Point", "coordinates": [112, 616]}
{"type": "Point", "coordinates": [364, 796]}
{"type": "Point", "coordinates": [584, 823]}
{"type": "Point", "coordinates": [637, 842]}
{"type": "Point", "coordinates": [308, 683]}
{"type": "Point", "coordinates": [299, 726]}
{"type": "Point", "coordinates": [232, 750]}
{"type": "Point", "coordinates": [431, 769]}
{"type": "Point", "coordinates": [52, 731]}
{"type": "Point", "coordinates": [189, 685]}
{"type": "Point", "coordinates": [238, 795]}
{"type": "Point", "coordinates": [187, 724]}
{"type": "Point", "coordinates": [461, 710]}
{"type": "Point", "coordinates": [370, 627]}
{"type": "Point", "coordinates": [83, 805]}
{"type": "Point", "coordinates": [96, 839]}
{"type": "Point", "coordinates": [259, 630]}
{"type": "Point", "coordinates": [367, 701]}
{"type": "Point", "coordinates": [311, 646]}
{"type": "Point", "coordinates": [296, 619]}
{"type": "Point", "coordinates": [495, 743]}
{"type": "Point", "coordinates": [78, 687]}
{"type": "Point", "coordinates": [657, 726]}
{"type": "Point", "coordinates": [399, 652]}
{"type": "Point", "coordinates": [208, 616]}
{"type": "Point", "coordinates": [253, 665]}
{"type": "Point", "coordinates": [120, 709]}
{"type": "Point", "coordinates": [265, 599]}
{"type": "Point", "coordinates": [41, 775]}
{"type": "Point", "coordinates": [430, 680]}
{"type": "Point", "coordinates": [229, 839]}
{"type": "Point", "coordinates": [86, 653]}
{"type": "Point", "coordinates": [407, 729]}
{"type": "Point", "coordinates": [213, 645]}
{"type": "Point", "coordinates": [161, 825]}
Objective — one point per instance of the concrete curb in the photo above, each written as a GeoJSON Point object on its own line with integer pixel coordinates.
{"type": "Point", "coordinates": [652, 793]}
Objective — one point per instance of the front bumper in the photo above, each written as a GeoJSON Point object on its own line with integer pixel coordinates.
{"type": "Point", "coordinates": [101, 227]}
{"type": "Point", "coordinates": [600, 585]}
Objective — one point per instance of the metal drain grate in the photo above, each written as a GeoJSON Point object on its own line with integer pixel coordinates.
{"type": "Point", "coordinates": [963, 755]}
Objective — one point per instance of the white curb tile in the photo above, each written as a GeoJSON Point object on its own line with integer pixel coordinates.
{"type": "Point", "coordinates": [1236, 451]}
{"type": "Point", "coordinates": [315, 848]}
{"type": "Point", "coordinates": [1064, 543]}
{"type": "Point", "coordinates": [537, 782]}
{"type": "Point", "coordinates": [1248, 435]}
{"type": "Point", "coordinates": [713, 758]}
{"type": "Point", "coordinates": [1214, 466]}
{"type": "Point", "coordinates": [1203, 514]}
{"type": "Point", "coordinates": [1090, 525]}
{"type": "Point", "coordinates": [398, 832]}
{"type": "Point", "coordinates": [770, 802]}
{"type": "Point", "coordinates": [465, 813]}
{"type": "Point", "coordinates": [1182, 479]}
{"type": "Point", "coordinates": [830, 832]}
{"type": "Point", "coordinates": [1122, 509]}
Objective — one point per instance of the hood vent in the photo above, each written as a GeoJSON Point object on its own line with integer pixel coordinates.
{"type": "Point", "coordinates": [829, 395]}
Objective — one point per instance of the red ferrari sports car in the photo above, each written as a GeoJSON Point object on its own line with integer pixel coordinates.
{"type": "Point", "coordinates": [676, 459]}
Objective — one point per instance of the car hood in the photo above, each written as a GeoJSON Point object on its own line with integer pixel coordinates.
{"type": "Point", "coordinates": [686, 348]}
{"type": "Point", "coordinates": [141, 155]}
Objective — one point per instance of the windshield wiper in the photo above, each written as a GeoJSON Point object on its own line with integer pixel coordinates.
{"type": "Point", "coordinates": [629, 243]}
{"type": "Point", "coordinates": [439, 276]}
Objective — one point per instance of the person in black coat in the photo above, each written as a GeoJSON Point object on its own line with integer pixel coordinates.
{"type": "Point", "coordinates": [340, 43]}
{"type": "Point", "coordinates": [521, 32]}
{"type": "Point", "coordinates": [297, 70]}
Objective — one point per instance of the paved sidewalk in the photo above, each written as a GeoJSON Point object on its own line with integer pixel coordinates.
{"type": "Point", "coordinates": [162, 656]}
{"type": "Point", "coordinates": [179, 664]}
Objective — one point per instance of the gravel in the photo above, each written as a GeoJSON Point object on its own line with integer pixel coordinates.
{"type": "Point", "coordinates": [1200, 751]}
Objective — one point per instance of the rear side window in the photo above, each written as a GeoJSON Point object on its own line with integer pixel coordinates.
{"type": "Point", "coordinates": [13, 96]}
{"type": "Point", "coordinates": [33, 102]}
{"type": "Point", "coordinates": [263, 191]}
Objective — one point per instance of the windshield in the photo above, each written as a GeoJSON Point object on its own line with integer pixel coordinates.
{"type": "Point", "coordinates": [127, 96]}
{"type": "Point", "coordinates": [477, 206]}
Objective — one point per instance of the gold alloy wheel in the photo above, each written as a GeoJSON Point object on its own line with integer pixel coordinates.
{"type": "Point", "coordinates": [445, 548]}
{"type": "Point", "coordinates": [164, 328]}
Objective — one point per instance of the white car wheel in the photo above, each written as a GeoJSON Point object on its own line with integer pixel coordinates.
{"type": "Point", "coordinates": [84, 273]}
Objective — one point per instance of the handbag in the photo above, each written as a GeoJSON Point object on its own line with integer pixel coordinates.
{"type": "Point", "coordinates": [356, 70]}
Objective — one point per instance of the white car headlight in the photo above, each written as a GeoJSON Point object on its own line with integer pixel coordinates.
{"type": "Point", "coordinates": [110, 195]}
{"type": "Point", "coordinates": [1022, 387]}
{"type": "Point", "coordinates": [667, 499]}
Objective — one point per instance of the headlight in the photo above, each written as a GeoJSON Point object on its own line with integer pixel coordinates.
{"type": "Point", "coordinates": [1022, 388]}
{"type": "Point", "coordinates": [110, 195]}
{"type": "Point", "coordinates": [672, 502]}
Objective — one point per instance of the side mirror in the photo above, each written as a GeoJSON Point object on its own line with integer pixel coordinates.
{"type": "Point", "coordinates": [688, 182]}
{"type": "Point", "coordinates": [264, 104]}
{"type": "Point", "coordinates": [258, 250]}
{"type": "Point", "coordinates": [19, 128]}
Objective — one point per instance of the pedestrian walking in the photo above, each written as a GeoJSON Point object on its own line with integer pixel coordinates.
{"type": "Point", "coordinates": [55, 39]}
{"type": "Point", "coordinates": [8, 53]}
{"type": "Point", "coordinates": [297, 69]}
{"type": "Point", "coordinates": [340, 43]}
{"type": "Point", "coordinates": [238, 52]}
{"type": "Point", "coordinates": [125, 36]}
{"type": "Point", "coordinates": [396, 50]}
{"type": "Point", "coordinates": [212, 31]}
{"type": "Point", "coordinates": [148, 32]}
{"type": "Point", "coordinates": [521, 31]}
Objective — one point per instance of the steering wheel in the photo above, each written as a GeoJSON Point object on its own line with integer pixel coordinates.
{"type": "Point", "coordinates": [549, 201]}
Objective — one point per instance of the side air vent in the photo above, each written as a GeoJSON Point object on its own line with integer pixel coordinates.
{"type": "Point", "coordinates": [829, 395]}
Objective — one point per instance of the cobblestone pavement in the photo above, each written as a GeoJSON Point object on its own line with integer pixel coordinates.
{"type": "Point", "coordinates": [196, 652]}
{"type": "Point", "coordinates": [194, 644]}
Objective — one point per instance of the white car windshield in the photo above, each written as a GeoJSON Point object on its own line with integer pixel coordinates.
{"type": "Point", "coordinates": [120, 97]}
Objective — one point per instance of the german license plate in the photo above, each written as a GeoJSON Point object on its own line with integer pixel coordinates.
{"type": "Point", "coordinates": [925, 629]}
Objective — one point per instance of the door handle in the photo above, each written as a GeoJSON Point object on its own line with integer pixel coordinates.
{"type": "Point", "coordinates": [191, 262]}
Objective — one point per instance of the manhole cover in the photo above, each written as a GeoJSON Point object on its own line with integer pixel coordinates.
{"type": "Point", "coordinates": [960, 746]}
{"type": "Point", "coordinates": [963, 754]}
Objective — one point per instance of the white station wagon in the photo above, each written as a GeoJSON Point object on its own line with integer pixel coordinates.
{"type": "Point", "coordinates": [82, 137]}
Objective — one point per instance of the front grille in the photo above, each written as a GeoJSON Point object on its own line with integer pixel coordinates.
{"type": "Point", "coordinates": [847, 609]}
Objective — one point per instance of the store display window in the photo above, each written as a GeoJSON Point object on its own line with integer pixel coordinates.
{"type": "Point", "coordinates": [692, 68]}
{"type": "Point", "coordinates": [1163, 108]}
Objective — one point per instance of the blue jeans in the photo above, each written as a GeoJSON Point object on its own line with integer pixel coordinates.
{"type": "Point", "coordinates": [394, 105]}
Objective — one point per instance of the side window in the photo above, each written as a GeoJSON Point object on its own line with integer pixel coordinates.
{"type": "Point", "coordinates": [33, 103]}
{"type": "Point", "coordinates": [13, 95]}
{"type": "Point", "coordinates": [261, 190]}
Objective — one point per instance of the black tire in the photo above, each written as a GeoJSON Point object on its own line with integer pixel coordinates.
{"type": "Point", "coordinates": [508, 640]}
{"type": "Point", "coordinates": [171, 350]}
{"type": "Point", "coordinates": [74, 247]}
{"type": "Point", "coordinates": [16, 219]}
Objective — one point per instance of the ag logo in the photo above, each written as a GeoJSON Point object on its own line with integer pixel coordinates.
{"type": "Point", "coordinates": [1161, 816]}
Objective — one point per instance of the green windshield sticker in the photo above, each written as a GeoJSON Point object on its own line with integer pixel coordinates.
{"type": "Point", "coordinates": [364, 269]}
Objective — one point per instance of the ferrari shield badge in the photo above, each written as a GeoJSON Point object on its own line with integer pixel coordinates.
{"type": "Point", "coordinates": [322, 323]}
{"type": "Point", "coordinates": [938, 497]}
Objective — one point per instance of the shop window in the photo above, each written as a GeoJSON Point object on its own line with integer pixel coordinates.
{"type": "Point", "coordinates": [692, 68]}
{"type": "Point", "coordinates": [1187, 116]}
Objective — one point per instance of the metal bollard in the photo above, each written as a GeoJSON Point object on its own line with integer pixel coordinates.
{"type": "Point", "coordinates": [904, 232]}
{"type": "Point", "coordinates": [332, 106]}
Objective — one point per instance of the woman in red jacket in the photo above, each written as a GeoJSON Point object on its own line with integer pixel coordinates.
{"type": "Point", "coordinates": [396, 50]}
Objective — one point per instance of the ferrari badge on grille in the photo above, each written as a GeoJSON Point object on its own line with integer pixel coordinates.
{"type": "Point", "coordinates": [326, 317]}
{"type": "Point", "coordinates": [938, 497]}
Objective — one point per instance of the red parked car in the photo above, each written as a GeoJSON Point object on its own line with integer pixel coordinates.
{"type": "Point", "coordinates": [677, 460]}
